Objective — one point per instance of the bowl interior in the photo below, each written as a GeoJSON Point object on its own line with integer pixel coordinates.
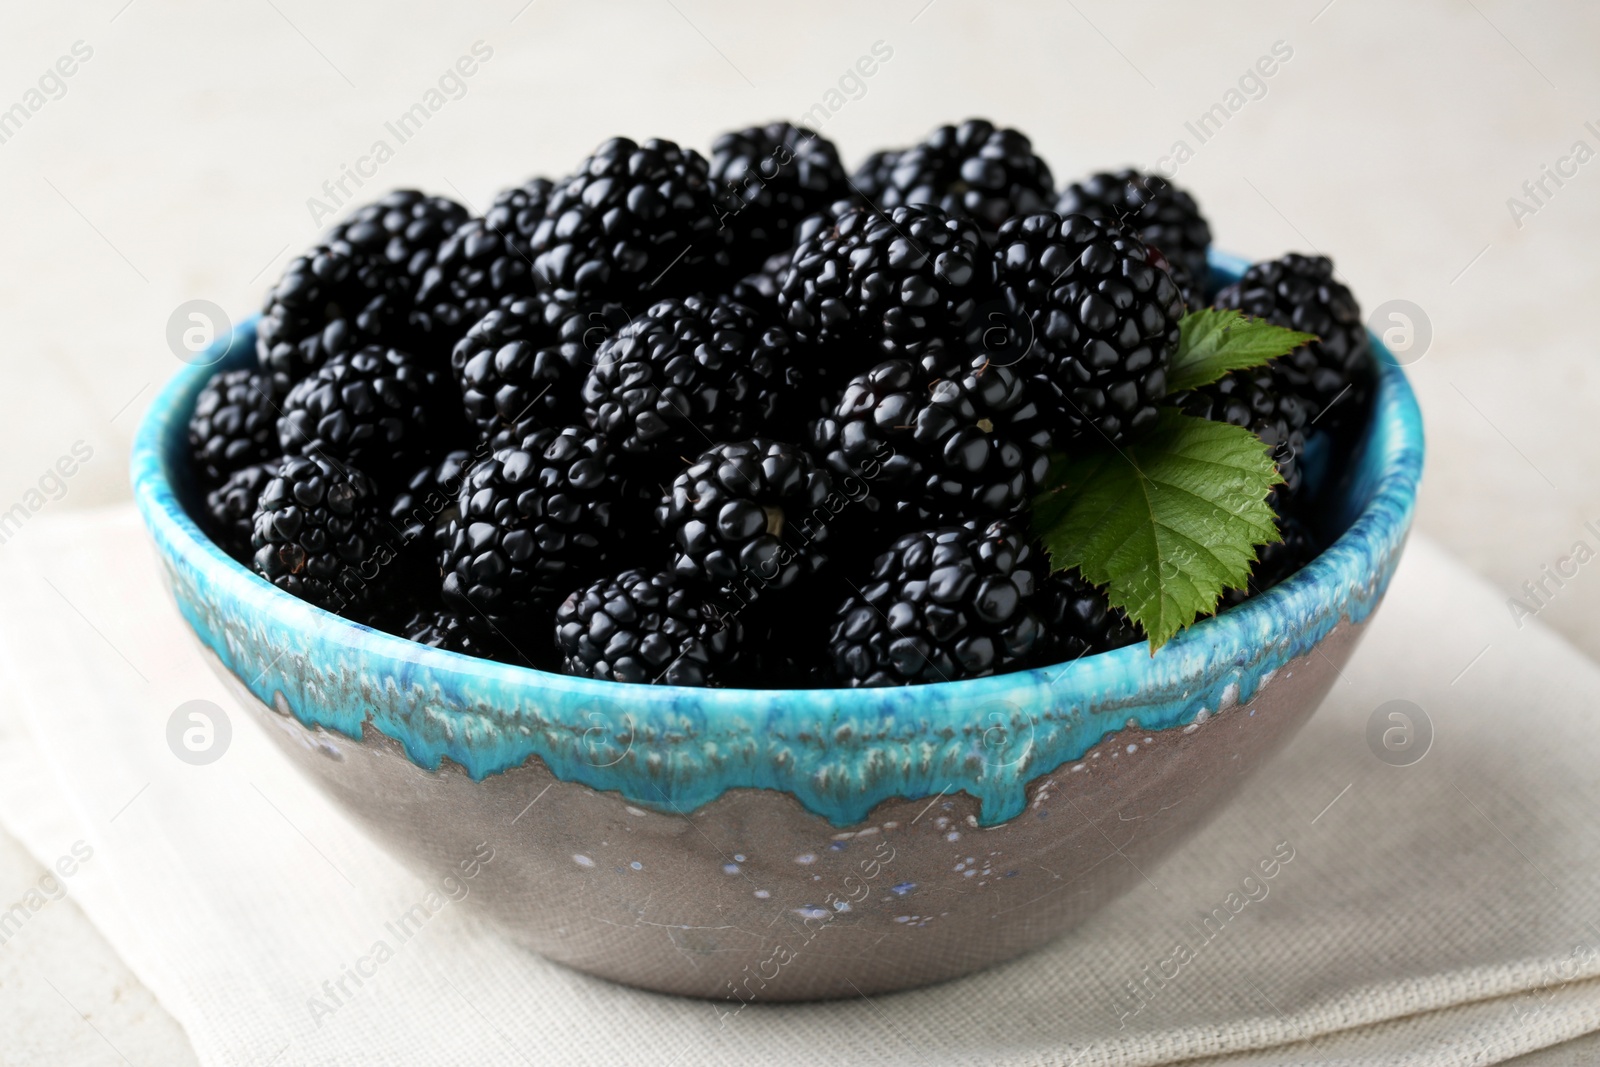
{"type": "Point", "coordinates": [840, 752]}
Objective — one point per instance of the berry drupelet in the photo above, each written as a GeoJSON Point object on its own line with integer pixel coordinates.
{"type": "Point", "coordinates": [768, 178]}
{"type": "Point", "coordinates": [1163, 216]}
{"type": "Point", "coordinates": [951, 448]}
{"type": "Point", "coordinates": [1331, 374]}
{"type": "Point", "coordinates": [1078, 620]}
{"type": "Point", "coordinates": [873, 286]}
{"type": "Point", "coordinates": [694, 371]}
{"type": "Point", "coordinates": [972, 170]}
{"type": "Point", "coordinates": [370, 409]}
{"type": "Point", "coordinates": [231, 507]}
{"type": "Point", "coordinates": [941, 605]}
{"type": "Point", "coordinates": [635, 220]}
{"type": "Point", "coordinates": [1253, 399]}
{"type": "Point", "coordinates": [647, 627]}
{"type": "Point", "coordinates": [534, 521]}
{"type": "Point", "coordinates": [234, 423]}
{"type": "Point", "coordinates": [316, 533]}
{"type": "Point", "coordinates": [749, 515]}
{"type": "Point", "coordinates": [1101, 313]}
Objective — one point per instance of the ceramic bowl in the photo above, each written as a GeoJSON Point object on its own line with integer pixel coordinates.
{"type": "Point", "coordinates": [784, 845]}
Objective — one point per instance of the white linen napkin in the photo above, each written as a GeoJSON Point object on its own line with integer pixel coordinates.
{"type": "Point", "coordinates": [1442, 912]}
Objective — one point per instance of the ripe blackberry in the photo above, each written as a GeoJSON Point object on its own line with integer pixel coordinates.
{"type": "Point", "coordinates": [1332, 374]}
{"type": "Point", "coordinates": [892, 283]}
{"type": "Point", "coordinates": [1279, 560]}
{"type": "Point", "coordinates": [939, 606]}
{"type": "Point", "coordinates": [517, 212]}
{"type": "Point", "coordinates": [535, 520]}
{"type": "Point", "coordinates": [768, 178]}
{"type": "Point", "coordinates": [316, 527]}
{"type": "Point", "coordinates": [1164, 216]}
{"type": "Point", "coordinates": [231, 507]}
{"type": "Point", "coordinates": [429, 498]}
{"type": "Point", "coordinates": [450, 630]}
{"type": "Point", "coordinates": [645, 627]}
{"type": "Point", "coordinates": [370, 409]}
{"type": "Point", "coordinates": [356, 286]}
{"type": "Point", "coordinates": [973, 170]}
{"type": "Point", "coordinates": [1252, 399]}
{"type": "Point", "coordinates": [522, 365]}
{"type": "Point", "coordinates": [759, 289]}
{"type": "Point", "coordinates": [1102, 314]}
{"type": "Point", "coordinates": [748, 514]}
{"type": "Point", "coordinates": [950, 448]}
{"type": "Point", "coordinates": [234, 424]}
{"type": "Point", "coordinates": [693, 371]}
{"type": "Point", "coordinates": [477, 269]}
{"type": "Point", "coordinates": [635, 219]}
{"type": "Point", "coordinates": [1078, 620]}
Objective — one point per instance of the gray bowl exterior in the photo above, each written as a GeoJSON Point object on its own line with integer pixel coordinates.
{"type": "Point", "coordinates": [766, 846]}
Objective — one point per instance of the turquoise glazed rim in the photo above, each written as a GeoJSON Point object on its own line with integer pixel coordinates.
{"type": "Point", "coordinates": [839, 752]}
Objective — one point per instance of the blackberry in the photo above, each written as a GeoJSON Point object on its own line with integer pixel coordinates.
{"type": "Point", "coordinates": [477, 269]}
{"type": "Point", "coordinates": [534, 521]}
{"type": "Point", "coordinates": [356, 286]}
{"type": "Point", "coordinates": [447, 629]}
{"type": "Point", "coordinates": [429, 498]}
{"type": "Point", "coordinates": [939, 606]}
{"type": "Point", "coordinates": [950, 448]}
{"type": "Point", "coordinates": [231, 507]}
{"type": "Point", "coordinates": [517, 212]}
{"type": "Point", "coordinates": [522, 365]}
{"type": "Point", "coordinates": [1279, 560]}
{"type": "Point", "coordinates": [647, 627]}
{"type": "Point", "coordinates": [892, 283]}
{"type": "Point", "coordinates": [1078, 620]}
{"type": "Point", "coordinates": [316, 528]}
{"type": "Point", "coordinates": [635, 219]}
{"type": "Point", "coordinates": [768, 178]}
{"type": "Point", "coordinates": [1101, 312]}
{"type": "Point", "coordinates": [370, 409]}
{"type": "Point", "coordinates": [1164, 216]}
{"type": "Point", "coordinates": [1332, 374]}
{"type": "Point", "coordinates": [759, 289]}
{"type": "Point", "coordinates": [694, 371]}
{"type": "Point", "coordinates": [749, 514]}
{"type": "Point", "coordinates": [234, 424]}
{"type": "Point", "coordinates": [1251, 398]}
{"type": "Point", "coordinates": [973, 170]}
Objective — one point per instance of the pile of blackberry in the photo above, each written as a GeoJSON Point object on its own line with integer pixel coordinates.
{"type": "Point", "coordinates": [742, 419]}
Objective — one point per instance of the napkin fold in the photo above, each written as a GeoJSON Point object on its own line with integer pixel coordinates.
{"type": "Point", "coordinates": [1434, 910]}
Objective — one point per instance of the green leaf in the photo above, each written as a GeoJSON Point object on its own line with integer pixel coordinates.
{"type": "Point", "coordinates": [1214, 341]}
{"type": "Point", "coordinates": [1167, 522]}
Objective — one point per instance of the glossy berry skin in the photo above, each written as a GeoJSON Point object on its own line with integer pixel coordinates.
{"type": "Point", "coordinates": [636, 221]}
{"type": "Point", "coordinates": [356, 286]}
{"type": "Point", "coordinates": [749, 515]}
{"type": "Point", "coordinates": [1078, 620]}
{"type": "Point", "coordinates": [1101, 314]}
{"type": "Point", "coordinates": [316, 533]}
{"type": "Point", "coordinates": [1253, 399]}
{"type": "Point", "coordinates": [766, 179]}
{"type": "Point", "coordinates": [941, 605]}
{"type": "Point", "coordinates": [421, 508]}
{"type": "Point", "coordinates": [517, 212]}
{"type": "Point", "coordinates": [691, 371]}
{"type": "Point", "coordinates": [450, 630]}
{"type": "Point", "coordinates": [370, 409]}
{"type": "Point", "coordinates": [973, 170]}
{"type": "Point", "coordinates": [1332, 374]}
{"type": "Point", "coordinates": [647, 627]}
{"type": "Point", "coordinates": [521, 367]}
{"type": "Point", "coordinates": [534, 521]}
{"type": "Point", "coordinates": [874, 286]}
{"type": "Point", "coordinates": [971, 444]}
{"type": "Point", "coordinates": [476, 269]}
{"type": "Point", "coordinates": [1164, 216]}
{"type": "Point", "coordinates": [234, 424]}
{"type": "Point", "coordinates": [231, 507]}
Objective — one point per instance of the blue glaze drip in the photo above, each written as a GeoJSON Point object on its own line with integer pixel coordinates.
{"type": "Point", "coordinates": [838, 752]}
